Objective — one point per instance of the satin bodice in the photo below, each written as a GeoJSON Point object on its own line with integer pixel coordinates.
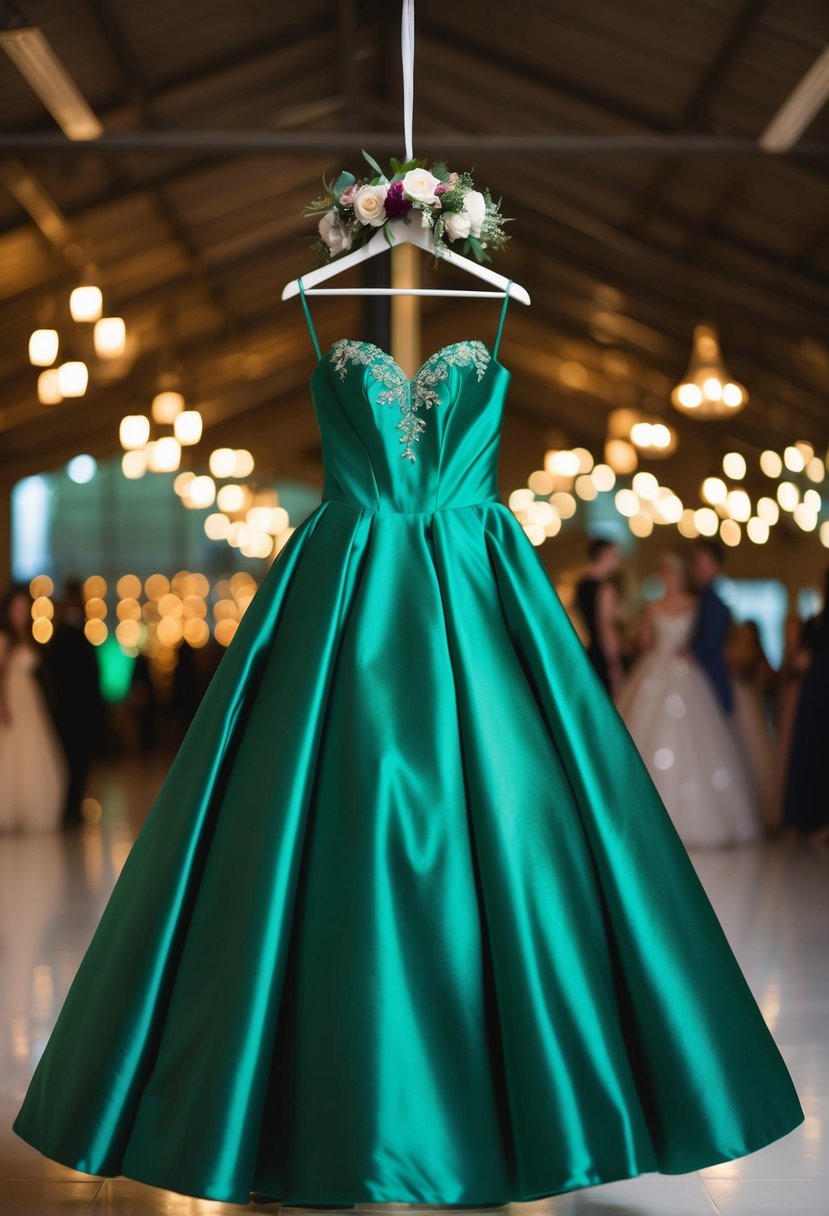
{"type": "Point", "coordinates": [400, 444]}
{"type": "Point", "coordinates": [672, 631]}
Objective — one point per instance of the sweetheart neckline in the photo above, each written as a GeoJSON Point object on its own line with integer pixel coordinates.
{"type": "Point", "coordinates": [325, 357]}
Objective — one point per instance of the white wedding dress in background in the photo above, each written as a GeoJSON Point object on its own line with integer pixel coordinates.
{"type": "Point", "coordinates": [686, 741]}
{"type": "Point", "coordinates": [33, 767]}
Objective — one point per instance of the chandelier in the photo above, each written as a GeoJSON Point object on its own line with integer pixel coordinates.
{"type": "Point", "coordinates": [707, 390]}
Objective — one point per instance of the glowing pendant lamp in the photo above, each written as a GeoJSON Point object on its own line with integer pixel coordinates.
{"type": "Point", "coordinates": [707, 390]}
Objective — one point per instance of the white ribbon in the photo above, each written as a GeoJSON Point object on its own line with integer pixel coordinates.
{"type": "Point", "coordinates": [407, 54]}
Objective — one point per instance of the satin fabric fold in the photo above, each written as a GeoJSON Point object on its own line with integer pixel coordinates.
{"type": "Point", "coordinates": [408, 921]}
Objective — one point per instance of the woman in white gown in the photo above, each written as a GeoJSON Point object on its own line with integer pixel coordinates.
{"type": "Point", "coordinates": [33, 768]}
{"type": "Point", "coordinates": [680, 731]}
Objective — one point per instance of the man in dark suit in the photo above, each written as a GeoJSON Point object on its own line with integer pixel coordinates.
{"type": "Point", "coordinates": [713, 622]}
{"type": "Point", "coordinates": [76, 699]}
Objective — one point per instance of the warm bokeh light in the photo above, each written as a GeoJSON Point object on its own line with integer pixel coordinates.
{"type": "Point", "coordinates": [734, 465]}
{"type": "Point", "coordinates": [603, 477]}
{"type": "Point", "coordinates": [243, 463]}
{"type": "Point", "coordinates": [164, 456]}
{"type": "Point", "coordinates": [585, 487]}
{"type": "Point", "coordinates": [128, 609]}
{"type": "Point", "coordinates": [224, 631]}
{"type": "Point", "coordinates": [42, 606]}
{"type": "Point", "coordinates": [757, 530]}
{"type": "Point", "coordinates": [687, 524]}
{"type": "Point", "coordinates": [739, 505]}
{"type": "Point", "coordinates": [620, 455]}
{"type": "Point", "coordinates": [48, 387]}
{"type": "Point", "coordinates": [110, 337]}
{"type": "Point", "coordinates": [541, 482]}
{"type": "Point", "coordinates": [645, 486]}
{"type": "Point", "coordinates": [187, 427]}
{"type": "Point", "coordinates": [166, 407]}
{"type": "Point", "coordinates": [771, 463]}
{"type": "Point", "coordinates": [41, 584]}
{"type": "Point", "coordinates": [129, 633]}
{"type": "Point", "coordinates": [182, 482]}
{"type": "Point", "coordinates": [564, 504]}
{"type": "Point", "coordinates": [706, 521]}
{"type": "Point", "coordinates": [714, 490]}
{"type": "Point", "coordinates": [231, 498]}
{"type": "Point", "coordinates": [42, 630]}
{"type": "Point", "coordinates": [96, 631]}
{"type": "Point", "coordinates": [43, 347]}
{"type": "Point", "coordinates": [134, 464]}
{"type": "Point", "coordinates": [564, 464]}
{"type": "Point", "coordinates": [86, 303]}
{"type": "Point", "coordinates": [788, 495]}
{"type": "Point", "coordinates": [730, 532]}
{"type": "Point", "coordinates": [216, 526]}
{"type": "Point", "coordinates": [201, 492]}
{"type": "Point", "coordinates": [128, 587]}
{"type": "Point", "coordinates": [134, 431]}
{"type": "Point", "coordinates": [519, 500]}
{"type": "Point", "coordinates": [805, 516]}
{"type": "Point", "coordinates": [222, 462]}
{"type": "Point", "coordinates": [768, 510]}
{"type": "Point", "coordinates": [640, 525]}
{"type": "Point", "coordinates": [95, 586]}
{"type": "Point", "coordinates": [73, 378]}
{"type": "Point", "coordinates": [793, 460]}
{"type": "Point", "coordinates": [627, 503]}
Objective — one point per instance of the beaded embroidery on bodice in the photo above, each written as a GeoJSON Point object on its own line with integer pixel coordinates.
{"type": "Point", "coordinates": [410, 394]}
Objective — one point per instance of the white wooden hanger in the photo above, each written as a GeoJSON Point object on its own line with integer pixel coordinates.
{"type": "Point", "coordinates": [412, 234]}
{"type": "Point", "coordinates": [403, 233]}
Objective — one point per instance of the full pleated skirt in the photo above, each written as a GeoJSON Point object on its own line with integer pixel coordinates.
{"type": "Point", "coordinates": [407, 921]}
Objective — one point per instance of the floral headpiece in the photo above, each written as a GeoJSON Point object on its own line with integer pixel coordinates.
{"type": "Point", "coordinates": [463, 219]}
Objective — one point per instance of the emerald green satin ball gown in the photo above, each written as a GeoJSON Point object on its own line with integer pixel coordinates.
{"type": "Point", "coordinates": [407, 921]}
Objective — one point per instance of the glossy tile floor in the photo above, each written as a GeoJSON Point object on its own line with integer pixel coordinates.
{"type": "Point", "coordinates": [773, 901]}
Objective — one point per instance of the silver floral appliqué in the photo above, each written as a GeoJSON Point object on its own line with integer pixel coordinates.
{"type": "Point", "coordinates": [411, 395]}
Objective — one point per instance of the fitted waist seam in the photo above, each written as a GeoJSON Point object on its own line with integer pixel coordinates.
{"type": "Point", "coordinates": [361, 506]}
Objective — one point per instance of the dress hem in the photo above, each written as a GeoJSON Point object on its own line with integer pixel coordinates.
{"type": "Point", "coordinates": [719, 1158]}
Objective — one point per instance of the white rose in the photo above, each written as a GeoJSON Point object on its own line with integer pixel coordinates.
{"type": "Point", "coordinates": [337, 238]}
{"type": "Point", "coordinates": [474, 205]}
{"type": "Point", "coordinates": [419, 185]}
{"type": "Point", "coordinates": [456, 225]}
{"type": "Point", "coordinates": [370, 205]}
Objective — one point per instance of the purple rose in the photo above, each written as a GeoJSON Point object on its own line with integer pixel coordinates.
{"type": "Point", "coordinates": [442, 188]}
{"type": "Point", "coordinates": [397, 205]}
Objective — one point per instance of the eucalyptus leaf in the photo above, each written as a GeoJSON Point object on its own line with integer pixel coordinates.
{"type": "Point", "coordinates": [372, 162]}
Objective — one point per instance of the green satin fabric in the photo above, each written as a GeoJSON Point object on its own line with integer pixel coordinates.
{"type": "Point", "coordinates": [407, 921]}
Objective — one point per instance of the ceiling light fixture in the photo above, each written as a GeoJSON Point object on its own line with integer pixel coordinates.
{"type": "Point", "coordinates": [707, 390]}
{"type": "Point", "coordinates": [34, 58]}
{"type": "Point", "coordinates": [799, 109]}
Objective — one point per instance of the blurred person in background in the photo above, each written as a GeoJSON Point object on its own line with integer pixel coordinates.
{"type": "Point", "coordinates": [753, 681]}
{"type": "Point", "coordinates": [672, 713]}
{"type": "Point", "coordinates": [33, 769]}
{"type": "Point", "coordinates": [713, 622]}
{"type": "Point", "coordinates": [598, 603]}
{"type": "Point", "coordinates": [75, 694]}
{"type": "Point", "coordinates": [806, 796]}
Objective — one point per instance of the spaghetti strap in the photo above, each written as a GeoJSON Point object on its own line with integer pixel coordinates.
{"type": "Point", "coordinates": [314, 337]}
{"type": "Point", "coordinates": [501, 322]}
